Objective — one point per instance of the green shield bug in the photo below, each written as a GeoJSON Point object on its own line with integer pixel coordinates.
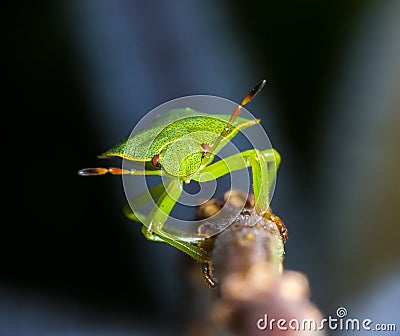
{"type": "Point", "coordinates": [181, 145]}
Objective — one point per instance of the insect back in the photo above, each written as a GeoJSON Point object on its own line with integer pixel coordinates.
{"type": "Point", "coordinates": [182, 144]}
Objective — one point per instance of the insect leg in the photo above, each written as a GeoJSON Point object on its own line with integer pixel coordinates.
{"type": "Point", "coordinates": [207, 274]}
{"type": "Point", "coordinates": [158, 216]}
{"type": "Point", "coordinates": [141, 200]}
{"type": "Point", "coordinates": [272, 156]}
{"type": "Point", "coordinates": [263, 174]}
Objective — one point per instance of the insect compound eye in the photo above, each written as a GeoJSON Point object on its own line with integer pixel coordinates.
{"type": "Point", "coordinates": [206, 149]}
{"type": "Point", "coordinates": [156, 160]}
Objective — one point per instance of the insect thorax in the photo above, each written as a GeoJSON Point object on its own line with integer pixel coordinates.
{"type": "Point", "coordinates": [182, 157]}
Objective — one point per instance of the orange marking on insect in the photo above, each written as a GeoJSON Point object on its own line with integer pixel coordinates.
{"type": "Point", "coordinates": [279, 224]}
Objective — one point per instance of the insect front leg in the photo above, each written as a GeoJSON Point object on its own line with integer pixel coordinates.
{"type": "Point", "coordinates": [154, 222]}
{"type": "Point", "coordinates": [141, 200]}
{"type": "Point", "coordinates": [263, 175]}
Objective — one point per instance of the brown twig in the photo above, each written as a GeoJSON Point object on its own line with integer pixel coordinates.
{"type": "Point", "coordinates": [254, 292]}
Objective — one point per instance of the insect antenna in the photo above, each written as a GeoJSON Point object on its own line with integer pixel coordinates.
{"type": "Point", "coordinates": [102, 171]}
{"type": "Point", "coordinates": [253, 92]}
{"type": "Point", "coordinates": [117, 171]}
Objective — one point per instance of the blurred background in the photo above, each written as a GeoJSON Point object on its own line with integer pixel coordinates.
{"type": "Point", "coordinates": [78, 75]}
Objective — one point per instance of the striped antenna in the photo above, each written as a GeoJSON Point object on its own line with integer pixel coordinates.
{"type": "Point", "coordinates": [247, 99]}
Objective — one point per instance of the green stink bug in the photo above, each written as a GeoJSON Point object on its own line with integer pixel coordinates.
{"type": "Point", "coordinates": [182, 145]}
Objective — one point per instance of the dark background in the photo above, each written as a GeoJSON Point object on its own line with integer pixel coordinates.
{"type": "Point", "coordinates": [78, 75]}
